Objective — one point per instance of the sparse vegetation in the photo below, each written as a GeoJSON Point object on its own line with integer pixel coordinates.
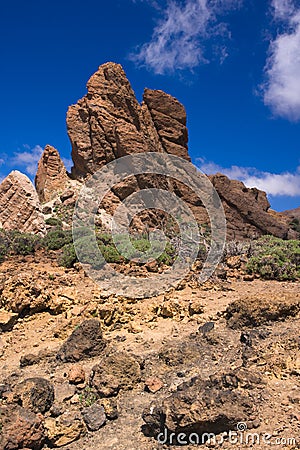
{"type": "Point", "coordinates": [295, 224]}
{"type": "Point", "coordinates": [57, 238]}
{"type": "Point", "coordinates": [54, 222]}
{"type": "Point", "coordinates": [87, 397]}
{"type": "Point", "coordinates": [17, 243]}
{"type": "Point", "coordinates": [68, 257]}
{"type": "Point", "coordinates": [275, 259]}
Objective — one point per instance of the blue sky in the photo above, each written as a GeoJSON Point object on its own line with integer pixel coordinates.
{"type": "Point", "coordinates": [234, 64]}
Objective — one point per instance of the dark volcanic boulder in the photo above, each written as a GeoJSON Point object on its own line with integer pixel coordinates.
{"type": "Point", "coordinates": [212, 406]}
{"type": "Point", "coordinates": [85, 342]}
{"type": "Point", "coordinates": [36, 394]}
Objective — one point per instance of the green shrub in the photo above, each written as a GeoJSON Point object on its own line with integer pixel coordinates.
{"type": "Point", "coordinates": [295, 224]}
{"type": "Point", "coordinates": [57, 239]}
{"type": "Point", "coordinates": [17, 243]}
{"type": "Point", "coordinates": [274, 258]}
{"type": "Point", "coordinates": [23, 243]}
{"type": "Point", "coordinates": [68, 257]}
{"type": "Point", "coordinates": [104, 238]}
{"type": "Point", "coordinates": [89, 253]}
{"type": "Point", "coordinates": [54, 222]}
{"type": "Point", "coordinates": [111, 254]}
{"type": "Point", "coordinates": [4, 245]}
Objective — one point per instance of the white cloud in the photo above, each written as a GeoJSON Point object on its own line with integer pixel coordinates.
{"type": "Point", "coordinates": [275, 184]}
{"type": "Point", "coordinates": [282, 70]}
{"type": "Point", "coordinates": [27, 159]}
{"type": "Point", "coordinates": [283, 9]}
{"type": "Point", "coordinates": [178, 41]}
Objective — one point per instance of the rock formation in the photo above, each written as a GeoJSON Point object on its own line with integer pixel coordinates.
{"type": "Point", "coordinates": [51, 177]}
{"type": "Point", "coordinates": [20, 208]}
{"type": "Point", "coordinates": [247, 210]}
{"type": "Point", "coordinates": [108, 122]}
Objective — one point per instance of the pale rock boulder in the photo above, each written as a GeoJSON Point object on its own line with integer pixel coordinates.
{"type": "Point", "coordinates": [20, 208]}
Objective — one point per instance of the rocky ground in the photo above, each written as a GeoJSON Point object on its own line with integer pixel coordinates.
{"type": "Point", "coordinates": [80, 370]}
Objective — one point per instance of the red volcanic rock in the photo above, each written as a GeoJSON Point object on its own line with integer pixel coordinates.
{"type": "Point", "coordinates": [247, 210]}
{"type": "Point", "coordinates": [109, 122]}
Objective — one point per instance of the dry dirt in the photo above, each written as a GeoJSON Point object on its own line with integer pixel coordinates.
{"type": "Point", "coordinates": [163, 335]}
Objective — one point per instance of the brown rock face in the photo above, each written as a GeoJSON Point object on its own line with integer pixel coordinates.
{"type": "Point", "coordinates": [51, 177]}
{"type": "Point", "coordinates": [247, 210]}
{"type": "Point", "coordinates": [109, 122]}
{"type": "Point", "coordinates": [20, 208]}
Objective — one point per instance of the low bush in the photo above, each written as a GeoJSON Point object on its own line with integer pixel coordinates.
{"type": "Point", "coordinates": [68, 257]}
{"type": "Point", "coordinates": [274, 258]}
{"type": "Point", "coordinates": [295, 224]}
{"type": "Point", "coordinates": [17, 243]}
{"type": "Point", "coordinates": [54, 222]}
{"type": "Point", "coordinates": [56, 239]}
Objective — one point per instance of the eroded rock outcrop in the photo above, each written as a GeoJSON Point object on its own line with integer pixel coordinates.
{"type": "Point", "coordinates": [20, 208]}
{"type": "Point", "coordinates": [51, 177]}
{"type": "Point", "coordinates": [109, 122]}
{"type": "Point", "coordinates": [247, 210]}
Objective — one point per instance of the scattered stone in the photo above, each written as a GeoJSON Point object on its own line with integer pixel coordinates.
{"type": "Point", "coordinates": [36, 394]}
{"type": "Point", "coordinates": [196, 307]}
{"type": "Point", "coordinates": [7, 320]}
{"type": "Point", "coordinates": [94, 417]}
{"type": "Point", "coordinates": [246, 339]}
{"type": "Point", "coordinates": [207, 327]}
{"type": "Point", "coordinates": [153, 384]}
{"type": "Point", "coordinates": [29, 360]}
{"type": "Point", "coordinates": [114, 372]}
{"type": "Point", "coordinates": [21, 428]}
{"type": "Point", "coordinates": [63, 392]}
{"type": "Point", "coordinates": [111, 408]}
{"type": "Point", "coordinates": [66, 195]}
{"type": "Point", "coordinates": [248, 277]}
{"type": "Point", "coordinates": [56, 410]}
{"type": "Point", "coordinates": [29, 292]}
{"type": "Point", "coordinates": [47, 210]}
{"type": "Point", "coordinates": [234, 262]}
{"type": "Point", "coordinates": [76, 375]}
{"type": "Point", "coordinates": [65, 429]}
{"type": "Point", "coordinates": [86, 341]}
{"type": "Point", "coordinates": [170, 309]}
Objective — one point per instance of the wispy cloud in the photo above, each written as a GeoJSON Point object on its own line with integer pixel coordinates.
{"type": "Point", "coordinates": [282, 70]}
{"type": "Point", "coordinates": [179, 39]}
{"type": "Point", "coordinates": [27, 159]}
{"type": "Point", "coordinates": [283, 9]}
{"type": "Point", "coordinates": [275, 184]}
